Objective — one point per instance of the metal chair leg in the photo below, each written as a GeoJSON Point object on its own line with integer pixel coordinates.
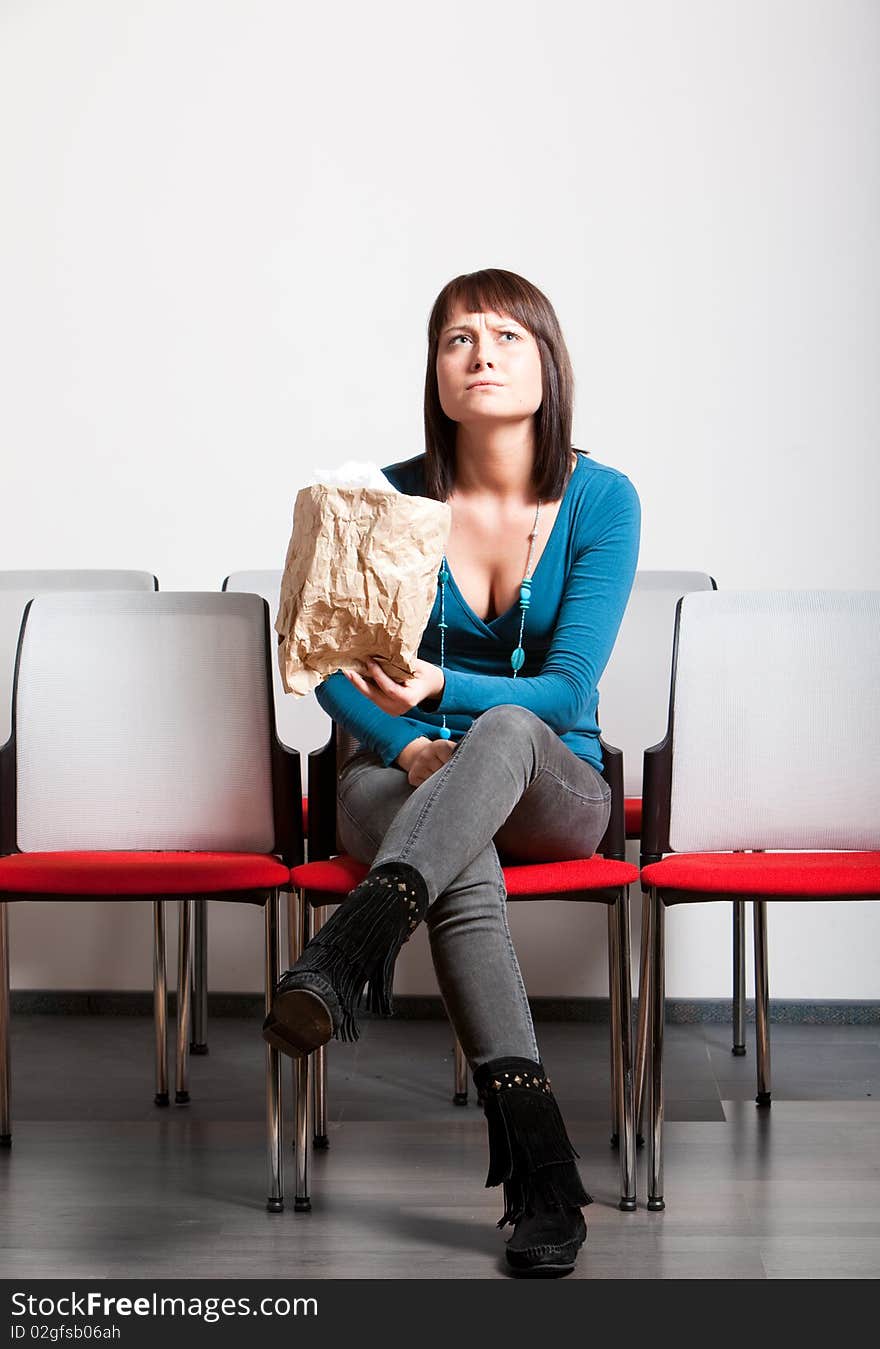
{"type": "Point", "coordinates": [184, 984]}
{"type": "Point", "coordinates": [640, 1088]}
{"type": "Point", "coordinates": [460, 1096]}
{"type": "Point", "coordinates": [199, 1040]}
{"type": "Point", "coordinates": [739, 978]}
{"type": "Point", "coordinates": [295, 942]}
{"type": "Point", "coordinates": [658, 998]}
{"type": "Point", "coordinates": [320, 1137]}
{"type": "Point", "coordinates": [762, 1001]}
{"type": "Point", "coordinates": [302, 1077]}
{"type": "Point", "coordinates": [5, 1118]}
{"type": "Point", "coordinates": [293, 953]}
{"type": "Point", "coordinates": [614, 1022]}
{"type": "Point", "coordinates": [623, 1054]}
{"type": "Point", "coordinates": [275, 1202]}
{"type": "Point", "coordinates": [160, 1002]}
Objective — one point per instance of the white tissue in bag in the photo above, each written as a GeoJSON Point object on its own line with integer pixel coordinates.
{"type": "Point", "coordinates": [353, 473]}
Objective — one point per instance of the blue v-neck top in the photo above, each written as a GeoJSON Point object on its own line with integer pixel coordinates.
{"type": "Point", "coordinates": [580, 587]}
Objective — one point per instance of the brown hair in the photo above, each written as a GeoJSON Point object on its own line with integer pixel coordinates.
{"type": "Point", "coordinates": [494, 290]}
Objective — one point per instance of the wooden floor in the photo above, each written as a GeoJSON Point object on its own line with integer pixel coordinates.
{"type": "Point", "coordinates": [99, 1183]}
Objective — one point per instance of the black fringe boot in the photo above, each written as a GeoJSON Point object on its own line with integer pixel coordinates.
{"type": "Point", "coordinates": [531, 1153]}
{"type": "Point", "coordinates": [359, 944]}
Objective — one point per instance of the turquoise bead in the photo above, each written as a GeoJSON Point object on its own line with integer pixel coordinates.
{"type": "Point", "coordinates": [518, 658]}
{"type": "Point", "coordinates": [444, 575]}
{"type": "Point", "coordinates": [445, 733]}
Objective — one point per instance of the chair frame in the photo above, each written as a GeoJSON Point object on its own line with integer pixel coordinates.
{"type": "Point", "coordinates": [656, 815]}
{"type": "Point", "coordinates": [738, 1047]}
{"type": "Point", "coordinates": [287, 821]}
{"type": "Point", "coordinates": [198, 990]}
{"type": "Point", "coordinates": [160, 999]}
{"type": "Point", "coordinates": [310, 1073]}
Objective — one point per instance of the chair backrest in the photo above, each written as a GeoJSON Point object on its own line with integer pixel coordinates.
{"type": "Point", "coordinates": [301, 722]}
{"type": "Point", "coordinates": [324, 764]}
{"type": "Point", "coordinates": [144, 722]}
{"type": "Point", "coordinates": [775, 721]}
{"type": "Point", "coordinates": [17, 587]}
{"type": "Point", "coordinates": [634, 688]}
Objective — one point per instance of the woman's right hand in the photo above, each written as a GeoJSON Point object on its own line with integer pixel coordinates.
{"type": "Point", "coordinates": [422, 757]}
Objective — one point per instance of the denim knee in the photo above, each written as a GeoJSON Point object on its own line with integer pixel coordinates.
{"type": "Point", "coordinates": [509, 719]}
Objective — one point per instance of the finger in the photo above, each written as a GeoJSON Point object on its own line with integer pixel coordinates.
{"type": "Point", "coordinates": [358, 682]}
{"type": "Point", "coordinates": [385, 683]}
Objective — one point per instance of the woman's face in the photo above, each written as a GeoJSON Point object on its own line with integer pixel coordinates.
{"type": "Point", "coordinates": [476, 348]}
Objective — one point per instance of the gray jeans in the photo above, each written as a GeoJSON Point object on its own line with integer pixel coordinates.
{"type": "Point", "coordinates": [511, 792]}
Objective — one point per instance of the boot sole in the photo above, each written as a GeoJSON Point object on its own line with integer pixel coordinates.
{"type": "Point", "coordinates": [520, 1263]}
{"type": "Point", "coordinates": [541, 1271]}
{"type": "Point", "coordinates": [299, 1023]}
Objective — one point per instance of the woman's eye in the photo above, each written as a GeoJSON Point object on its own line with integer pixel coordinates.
{"type": "Point", "coordinates": [507, 333]}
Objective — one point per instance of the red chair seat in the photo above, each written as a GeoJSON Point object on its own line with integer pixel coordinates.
{"type": "Point", "coordinates": [794, 875]}
{"type": "Point", "coordinates": [632, 816]}
{"type": "Point", "coordinates": [117, 874]}
{"type": "Point", "coordinates": [338, 875]}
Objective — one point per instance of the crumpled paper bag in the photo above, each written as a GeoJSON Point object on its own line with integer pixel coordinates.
{"type": "Point", "coordinates": [360, 577]}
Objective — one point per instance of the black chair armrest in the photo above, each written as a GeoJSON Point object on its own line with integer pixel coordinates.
{"type": "Point", "coordinates": [613, 844]}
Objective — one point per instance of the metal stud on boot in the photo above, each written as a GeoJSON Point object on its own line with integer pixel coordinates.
{"type": "Point", "coordinates": [359, 944]}
{"type": "Point", "coordinates": [531, 1154]}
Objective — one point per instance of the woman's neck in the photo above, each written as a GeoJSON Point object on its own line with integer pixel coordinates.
{"type": "Point", "coordinates": [497, 463]}
{"type": "Point", "coordinates": [495, 470]}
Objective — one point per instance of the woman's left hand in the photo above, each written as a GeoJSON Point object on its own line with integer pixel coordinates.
{"type": "Point", "coordinates": [394, 698]}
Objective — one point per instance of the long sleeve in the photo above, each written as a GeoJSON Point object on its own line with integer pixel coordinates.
{"type": "Point", "coordinates": [376, 730]}
{"type": "Point", "coordinates": [590, 614]}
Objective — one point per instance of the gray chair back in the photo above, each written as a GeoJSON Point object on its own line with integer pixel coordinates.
{"type": "Point", "coordinates": [17, 587]}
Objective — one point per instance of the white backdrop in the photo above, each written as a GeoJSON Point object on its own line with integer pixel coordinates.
{"type": "Point", "coordinates": [223, 226]}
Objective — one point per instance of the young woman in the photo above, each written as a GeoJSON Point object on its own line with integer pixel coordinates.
{"type": "Point", "coordinates": [490, 751]}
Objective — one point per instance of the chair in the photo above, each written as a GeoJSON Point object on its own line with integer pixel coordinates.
{"type": "Point", "coordinates": [16, 588]}
{"type": "Point", "coordinates": [330, 874]}
{"type": "Point", "coordinates": [766, 785]}
{"type": "Point", "coordinates": [297, 720]}
{"type": "Point", "coordinates": [144, 764]}
{"type": "Point", "coordinates": [633, 709]}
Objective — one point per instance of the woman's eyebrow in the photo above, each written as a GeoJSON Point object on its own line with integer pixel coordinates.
{"type": "Point", "coordinates": [469, 328]}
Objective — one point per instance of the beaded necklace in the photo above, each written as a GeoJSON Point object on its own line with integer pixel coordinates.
{"type": "Point", "coordinates": [517, 656]}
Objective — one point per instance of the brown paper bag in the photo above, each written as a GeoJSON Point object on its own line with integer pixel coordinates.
{"type": "Point", "coordinates": [360, 580]}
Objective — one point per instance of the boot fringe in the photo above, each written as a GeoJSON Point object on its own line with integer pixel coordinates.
{"type": "Point", "coordinates": [530, 1152]}
{"type": "Point", "coordinates": [357, 948]}
{"type": "Point", "coordinates": [558, 1185]}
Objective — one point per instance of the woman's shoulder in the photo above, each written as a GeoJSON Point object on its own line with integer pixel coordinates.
{"type": "Point", "coordinates": [407, 475]}
{"type": "Point", "coordinates": [606, 500]}
{"type": "Point", "coordinates": [599, 471]}
{"type": "Point", "coordinates": [599, 481]}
